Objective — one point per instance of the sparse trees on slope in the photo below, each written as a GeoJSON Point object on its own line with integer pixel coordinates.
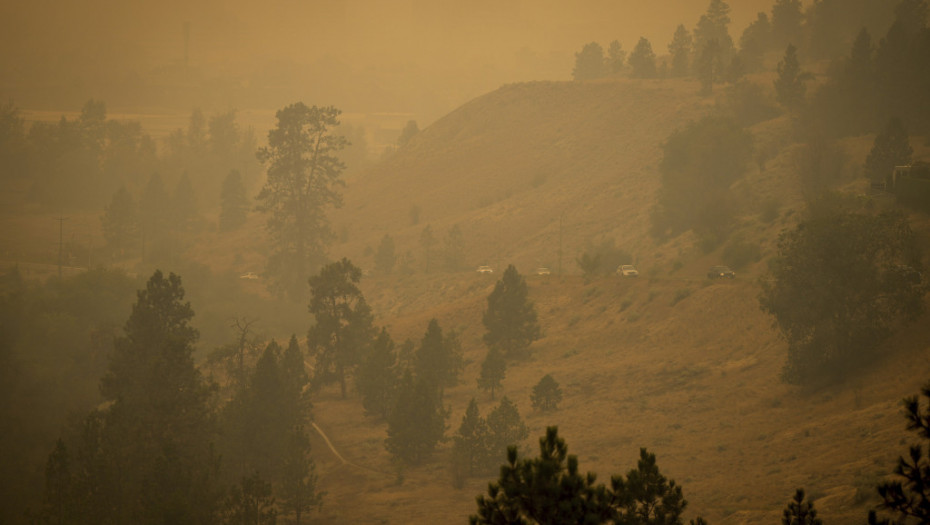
{"type": "Point", "coordinates": [841, 280]}
{"type": "Point", "coordinates": [510, 319]}
{"type": "Point", "coordinates": [589, 62]}
{"type": "Point", "coordinates": [343, 327]}
{"type": "Point", "coordinates": [302, 180]}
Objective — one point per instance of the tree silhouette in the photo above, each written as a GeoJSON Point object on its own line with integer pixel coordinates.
{"type": "Point", "coordinates": [906, 496]}
{"type": "Point", "coordinates": [790, 85]}
{"type": "Point", "coordinates": [302, 180]}
{"type": "Point", "coordinates": [589, 62]}
{"type": "Point", "coordinates": [510, 319]}
{"type": "Point", "coordinates": [493, 370]}
{"type": "Point", "coordinates": [839, 284]}
{"type": "Point", "coordinates": [343, 328]}
{"type": "Point", "coordinates": [680, 50]}
{"type": "Point", "coordinates": [417, 422]}
{"type": "Point", "coordinates": [800, 512]}
{"type": "Point", "coordinates": [546, 394]}
{"type": "Point", "coordinates": [643, 60]}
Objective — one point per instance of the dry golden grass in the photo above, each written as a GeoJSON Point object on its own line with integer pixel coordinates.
{"type": "Point", "coordinates": [687, 368]}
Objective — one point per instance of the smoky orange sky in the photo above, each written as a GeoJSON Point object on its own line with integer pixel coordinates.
{"type": "Point", "coordinates": [422, 57]}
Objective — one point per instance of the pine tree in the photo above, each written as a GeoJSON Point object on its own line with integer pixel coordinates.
{"type": "Point", "coordinates": [547, 490]}
{"type": "Point", "coordinates": [510, 319]}
{"type": "Point", "coordinates": [299, 480]}
{"type": "Point", "coordinates": [505, 428]}
{"type": "Point", "coordinates": [643, 60]}
{"type": "Point", "coordinates": [493, 370]}
{"type": "Point", "coordinates": [234, 205]}
{"type": "Point", "coordinates": [546, 394]}
{"type": "Point", "coordinates": [680, 50]}
{"type": "Point", "coordinates": [786, 23]}
{"type": "Point", "coordinates": [158, 423]}
{"type": "Point", "coordinates": [294, 373]}
{"type": "Point", "coordinates": [891, 148]}
{"type": "Point", "coordinates": [417, 422]}
{"type": "Point", "coordinates": [906, 495]}
{"type": "Point", "coordinates": [616, 57]}
{"type": "Point", "coordinates": [800, 512]}
{"type": "Point", "coordinates": [343, 326]}
{"type": "Point", "coordinates": [59, 505]}
{"type": "Point", "coordinates": [755, 41]}
{"type": "Point", "coordinates": [589, 62]}
{"type": "Point", "coordinates": [376, 378]}
{"type": "Point", "coordinates": [790, 85]}
{"type": "Point", "coordinates": [303, 179]}
{"type": "Point", "coordinates": [646, 496]}
{"type": "Point", "coordinates": [439, 357]}
{"type": "Point", "coordinates": [470, 445]}
{"type": "Point", "coordinates": [250, 502]}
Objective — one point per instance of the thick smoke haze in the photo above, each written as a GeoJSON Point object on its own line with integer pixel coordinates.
{"type": "Point", "coordinates": [418, 57]}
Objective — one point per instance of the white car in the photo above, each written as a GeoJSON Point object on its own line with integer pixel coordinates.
{"type": "Point", "coordinates": [627, 270]}
{"type": "Point", "coordinates": [542, 270]}
{"type": "Point", "coordinates": [485, 269]}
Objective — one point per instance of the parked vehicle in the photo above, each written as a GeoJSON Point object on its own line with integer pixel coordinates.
{"type": "Point", "coordinates": [542, 270]}
{"type": "Point", "coordinates": [627, 270]}
{"type": "Point", "coordinates": [721, 272]}
{"type": "Point", "coordinates": [485, 269]}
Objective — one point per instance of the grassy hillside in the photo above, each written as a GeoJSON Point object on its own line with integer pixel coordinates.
{"type": "Point", "coordinates": [670, 362]}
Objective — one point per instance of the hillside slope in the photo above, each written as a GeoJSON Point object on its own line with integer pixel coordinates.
{"type": "Point", "coordinates": [512, 165]}
{"type": "Point", "coordinates": [671, 362]}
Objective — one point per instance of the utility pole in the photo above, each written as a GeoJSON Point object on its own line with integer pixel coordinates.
{"type": "Point", "coordinates": [561, 216]}
{"type": "Point", "coordinates": [61, 220]}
